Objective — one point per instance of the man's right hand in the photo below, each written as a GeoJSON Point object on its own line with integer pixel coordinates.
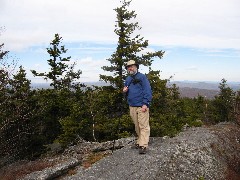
{"type": "Point", "coordinates": [125, 89]}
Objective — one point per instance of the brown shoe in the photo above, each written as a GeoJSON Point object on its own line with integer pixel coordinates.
{"type": "Point", "coordinates": [135, 146]}
{"type": "Point", "coordinates": [142, 150]}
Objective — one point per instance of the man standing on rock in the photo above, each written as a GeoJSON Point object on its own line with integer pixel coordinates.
{"type": "Point", "coordinates": [139, 96]}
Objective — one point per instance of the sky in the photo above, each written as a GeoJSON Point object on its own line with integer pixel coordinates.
{"type": "Point", "coordinates": [201, 39]}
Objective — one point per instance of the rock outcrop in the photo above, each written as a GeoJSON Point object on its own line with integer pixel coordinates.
{"type": "Point", "coordinates": [197, 153]}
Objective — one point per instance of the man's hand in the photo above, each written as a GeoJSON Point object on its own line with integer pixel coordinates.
{"type": "Point", "coordinates": [125, 89]}
{"type": "Point", "coordinates": [144, 108]}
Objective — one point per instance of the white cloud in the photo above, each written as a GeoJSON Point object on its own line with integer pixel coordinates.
{"type": "Point", "coordinates": [91, 68]}
{"type": "Point", "coordinates": [30, 22]}
{"type": "Point", "coordinates": [37, 65]}
{"type": "Point", "coordinates": [193, 23]}
{"type": "Point", "coordinates": [191, 68]}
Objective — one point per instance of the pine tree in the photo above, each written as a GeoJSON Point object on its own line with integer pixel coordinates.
{"type": "Point", "coordinates": [2, 53]}
{"type": "Point", "coordinates": [166, 106]}
{"type": "Point", "coordinates": [224, 103]}
{"type": "Point", "coordinates": [159, 104]}
{"type": "Point", "coordinates": [61, 74]}
{"type": "Point", "coordinates": [128, 47]}
{"type": "Point", "coordinates": [4, 75]}
{"type": "Point", "coordinates": [237, 107]}
{"type": "Point", "coordinates": [16, 129]}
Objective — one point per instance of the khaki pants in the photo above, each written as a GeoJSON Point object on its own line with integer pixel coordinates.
{"type": "Point", "coordinates": [141, 122]}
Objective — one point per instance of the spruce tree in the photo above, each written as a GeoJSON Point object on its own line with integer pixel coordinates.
{"type": "Point", "coordinates": [16, 129]}
{"type": "Point", "coordinates": [4, 75]}
{"type": "Point", "coordinates": [237, 107]}
{"type": "Point", "coordinates": [129, 47]}
{"type": "Point", "coordinates": [2, 52]}
{"type": "Point", "coordinates": [61, 74]}
{"type": "Point", "coordinates": [224, 103]}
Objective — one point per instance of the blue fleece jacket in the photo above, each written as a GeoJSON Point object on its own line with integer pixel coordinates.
{"type": "Point", "coordinates": [139, 90]}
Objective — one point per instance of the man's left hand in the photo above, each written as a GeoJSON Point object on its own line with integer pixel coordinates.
{"type": "Point", "coordinates": [144, 108]}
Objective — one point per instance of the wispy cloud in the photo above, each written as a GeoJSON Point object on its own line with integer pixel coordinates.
{"type": "Point", "coordinates": [227, 53]}
{"type": "Point", "coordinates": [91, 68]}
{"type": "Point", "coordinates": [191, 68]}
{"type": "Point", "coordinates": [192, 23]}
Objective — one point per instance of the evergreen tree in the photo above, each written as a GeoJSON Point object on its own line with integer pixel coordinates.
{"type": "Point", "coordinates": [72, 103]}
{"type": "Point", "coordinates": [128, 47]}
{"type": "Point", "coordinates": [4, 75]}
{"type": "Point", "coordinates": [61, 74]}
{"type": "Point", "coordinates": [159, 104]}
{"type": "Point", "coordinates": [4, 79]}
{"type": "Point", "coordinates": [56, 121]}
{"type": "Point", "coordinates": [16, 128]}
{"type": "Point", "coordinates": [237, 107]}
{"type": "Point", "coordinates": [2, 52]}
{"type": "Point", "coordinates": [53, 105]}
{"type": "Point", "coordinates": [167, 113]}
{"type": "Point", "coordinates": [7, 69]}
{"type": "Point", "coordinates": [224, 103]}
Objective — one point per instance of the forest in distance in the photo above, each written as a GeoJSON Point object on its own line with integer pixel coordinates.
{"type": "Point", "coordinates": [208, 85]}
{"type": "Point", "coordinates": [189, 89]}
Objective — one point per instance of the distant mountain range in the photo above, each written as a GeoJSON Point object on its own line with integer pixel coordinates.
{"type": "Point", "coordinates": [194, 92]}
{"type": "Point", "coordinates": [205, 85]}
{"type": "Point", "coordinates": [208, 90]}
{"type": "Point", "coordinates": [189, 89]}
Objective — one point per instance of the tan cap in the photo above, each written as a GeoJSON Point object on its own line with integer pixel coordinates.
{"type": "Point", "coordinates": [131, 62]}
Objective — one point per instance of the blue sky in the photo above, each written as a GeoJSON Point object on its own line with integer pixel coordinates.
{"type": "Point", "coordinates": [201, 39]}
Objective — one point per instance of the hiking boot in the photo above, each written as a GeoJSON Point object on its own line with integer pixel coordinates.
{"type": "Point", "coordinates": [142, 150]}
{"type": "Point", "coordinates": [135, 146]}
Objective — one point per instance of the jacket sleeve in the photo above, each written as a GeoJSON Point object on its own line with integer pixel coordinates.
{"type": "Point", "coordinates": [127, 81]}
{"type": "Point", "coordinates": [147, 92]}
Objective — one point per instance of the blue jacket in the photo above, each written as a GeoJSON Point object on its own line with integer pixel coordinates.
{"type": "Point", "coordinates": [139, 90]}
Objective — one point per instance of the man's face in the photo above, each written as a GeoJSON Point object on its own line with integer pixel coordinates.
{"type": "Point", "coordinates": [132, 69]}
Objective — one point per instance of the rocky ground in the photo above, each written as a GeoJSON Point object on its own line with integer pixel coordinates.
{"type": "Point", "coordinates": [197, 153]}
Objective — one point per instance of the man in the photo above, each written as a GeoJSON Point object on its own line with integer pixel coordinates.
{"type": "Point", "coordinates": [139, 96]}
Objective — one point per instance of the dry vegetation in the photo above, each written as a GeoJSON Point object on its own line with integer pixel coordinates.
{"type": "Point", "coordinates": [20, 169]}
{"type": "Point", "coordinates": [92, 158]}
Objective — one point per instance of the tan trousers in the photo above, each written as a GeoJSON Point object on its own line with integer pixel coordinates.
{"type": "Point", "coordinates": [141, 122]}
